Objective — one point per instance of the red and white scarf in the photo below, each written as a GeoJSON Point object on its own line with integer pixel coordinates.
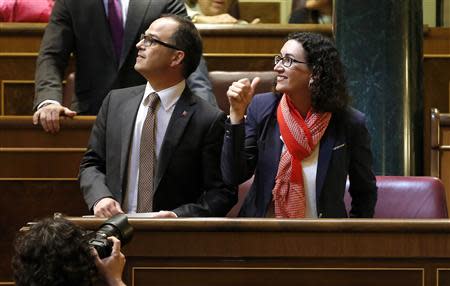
{"type": "Point", "coordinates": [300, 137]}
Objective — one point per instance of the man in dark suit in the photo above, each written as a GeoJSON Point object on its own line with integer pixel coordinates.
{"type": "Point", "coordinates": [188, 135]}
{"type": "Point", "coordinates": [83, 27]}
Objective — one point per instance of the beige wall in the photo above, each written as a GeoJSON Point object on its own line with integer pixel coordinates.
{"type": "Point", "coordinates": [446, 9]}
{"type": "Point", "coordinates": [429, 12]}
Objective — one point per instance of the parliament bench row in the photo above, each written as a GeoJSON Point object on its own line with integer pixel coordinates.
{"type": "Point", "coordinates": [29, 200]}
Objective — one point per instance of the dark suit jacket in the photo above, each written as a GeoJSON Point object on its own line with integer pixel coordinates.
{"type": "Point", "coordinates": [344, 150]}
{"type": "Point", "coordinates": [188, 178]}
{"type": "Point", "coordinates": [81, 27]}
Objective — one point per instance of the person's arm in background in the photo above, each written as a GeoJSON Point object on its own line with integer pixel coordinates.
{"type": "Point", "coordinates": [200, 84]}
{"type": "Point", "coordinates": [56, 46]}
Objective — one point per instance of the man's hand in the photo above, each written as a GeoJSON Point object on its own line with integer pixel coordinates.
{"type": "Point", "coordinates": [107, 207]}
{"type": "Point", "coordinates": [163, 214]}
{"type": "Point", "coordinates": [111, 268]}
{"type": "Point", "coordinates": [216, 19]}
{"type": "Point", "coordinates": [49, 116]}
{"type": "Point", "coordinates": [240, 95]}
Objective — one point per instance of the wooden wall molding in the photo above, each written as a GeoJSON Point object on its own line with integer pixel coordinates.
{"type": "Point", "coordinates": [284, 252]}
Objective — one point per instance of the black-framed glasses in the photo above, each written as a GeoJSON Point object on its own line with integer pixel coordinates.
{"type": "Point", "coordinates": [286, 61]}
{"type": "Point", "coordinates": [148, 41]}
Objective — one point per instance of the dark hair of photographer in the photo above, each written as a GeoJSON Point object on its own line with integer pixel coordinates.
{"type": "Point", "coordinates": [53, 252]}
{"type": "Point", "coordinates": [328, 88]}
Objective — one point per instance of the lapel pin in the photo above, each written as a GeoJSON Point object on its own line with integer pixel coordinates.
{"type": "Point", "coordinates": [184, 113]}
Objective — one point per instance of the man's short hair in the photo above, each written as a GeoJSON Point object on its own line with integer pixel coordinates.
{"type": "Point", "coordinates": [53, 252]}
{"type": "Point", "coordinates": [187, 38]}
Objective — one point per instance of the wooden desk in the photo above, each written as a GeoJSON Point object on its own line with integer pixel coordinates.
{"type": "Point", "coordinates": [33, 153]}
{"type": "Point", "coordinates": [226, 47]}
{"type": "Point", "coordinates": [24, 200]}
{"type": "Point", "coordinates": [286, 252]}
{"type": "Point", "coordinates": [38, 175]}
{"type": "Point", "coordinates": [26, 37]}
{"type": "Point", "coordinates": [439, 143]}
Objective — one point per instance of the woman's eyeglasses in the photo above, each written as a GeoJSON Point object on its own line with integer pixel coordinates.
{"type": "Point", "coordinates": [287, 61]}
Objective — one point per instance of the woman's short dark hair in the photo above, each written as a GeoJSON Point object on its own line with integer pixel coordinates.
{"type": "Point", "coordinates": [187, 38]}
{"type": "Point", "coordinates": [53, 252]}
{"type": "Point", "coordinates": [328, 87]}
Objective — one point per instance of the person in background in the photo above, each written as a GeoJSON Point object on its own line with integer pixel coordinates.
{"type": "Point", "coordinates": [25, 10]}
{"type": "Point", "coordinates": [302, 142]}
{"type": "Point", "coordinates": [102, 35]}
{"type": "Point", "coordinates": [313, 12]}
{"type": "Point", "coordinates": [155, 148]}
{"type": "Point", "coordinates": [214, 12]}
{"type": "Point", "coordinates": [55, 252]}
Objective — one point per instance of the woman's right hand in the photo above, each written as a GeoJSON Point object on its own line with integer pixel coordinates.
{"type": "Point", "coordinates": [240, 94]}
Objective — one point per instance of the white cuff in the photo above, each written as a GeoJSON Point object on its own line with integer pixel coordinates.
{"type": "Point", "coordinates": [47, 102]}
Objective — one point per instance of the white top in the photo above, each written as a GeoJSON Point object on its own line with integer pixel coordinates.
{"type": "Point", "coordinates": [309, 180]}
{"type": "Point", "coordinates": [309, 172]}
{"type": "Point", "coordinates": [164, 110]}
{"type": "Point", "coordinates": [124, 4]}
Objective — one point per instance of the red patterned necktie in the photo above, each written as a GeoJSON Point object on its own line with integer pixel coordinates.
{"type": "Point", "coordinates": [147, 156]}
{"type": "Point", "coordinates": [116, 25]}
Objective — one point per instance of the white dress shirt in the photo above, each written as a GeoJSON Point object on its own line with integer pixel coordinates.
{"type": "Point", "coordinates": [168, 99]}
{"type": "Point", "coordinates": [124, 5]}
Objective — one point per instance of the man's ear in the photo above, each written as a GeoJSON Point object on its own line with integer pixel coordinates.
{"type": "Point", "coordinates": [177, 58]}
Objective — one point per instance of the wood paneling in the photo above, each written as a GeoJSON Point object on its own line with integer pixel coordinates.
{"type": "Point", "coordinates": [439, 151]}
{"type": "Point", "coordinates": [25, 200]}
{"type": "Point", "coordinates": [284, 252]}
{"type": "Point", "coordinates": [21, 37]}
{"type": "Point", "coordinates": [436, 41]}
{"type": "Point", "coordinates": [159, 276]}
{"type": "Point", "coordinates": [17, 97]}
{"type": "Point", "coordinates": [226, 47]}
{"type": "Point", "coordinates": [267, 12]}
{"type": "Point", "coordinates": [436, 95]}
{"type": "Point", "coordinates": [37, 154]}
{"type": "Point", "coordinates": [436, 82]}
{"type": "Point", "coordinates": [38, 175]}
{"type": "Point", "coordinates": [443, 275]}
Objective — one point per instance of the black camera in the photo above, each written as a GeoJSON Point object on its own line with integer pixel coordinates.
{"type": "Point", "coordinates": [117, 226]}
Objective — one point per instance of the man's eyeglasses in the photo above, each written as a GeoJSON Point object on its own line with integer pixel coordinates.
{"type": "Point", "coordinates": [287, 61]}
{"type": "Point", "coordinates": [148, 41]}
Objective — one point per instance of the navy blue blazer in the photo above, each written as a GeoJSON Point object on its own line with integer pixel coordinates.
{"type": "Point", "coordinates": [254, 148]}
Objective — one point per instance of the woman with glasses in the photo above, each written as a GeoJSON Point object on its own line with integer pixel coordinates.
{"type": "Point", "coordinates": [302, 142]}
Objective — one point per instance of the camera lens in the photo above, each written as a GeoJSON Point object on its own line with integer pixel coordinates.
{"type": "Point", "coordinates": [116, 226]}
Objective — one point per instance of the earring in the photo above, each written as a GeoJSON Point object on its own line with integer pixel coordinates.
{"type": "Point", "coordinates": [311, 80]}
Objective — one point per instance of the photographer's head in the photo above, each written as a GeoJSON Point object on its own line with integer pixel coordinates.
{"type": "Point", "coordinates": [53, 252]}
{"type": "Point", "coordinates": [56, 252]}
